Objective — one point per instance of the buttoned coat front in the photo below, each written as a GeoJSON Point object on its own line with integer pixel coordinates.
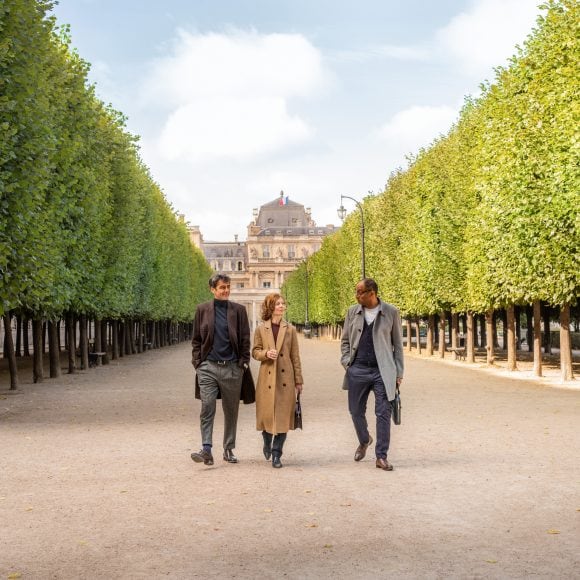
{"type": "Point", "coordinates": [387, 339]}
{"type": "Point", "coordinates": [277, 379]}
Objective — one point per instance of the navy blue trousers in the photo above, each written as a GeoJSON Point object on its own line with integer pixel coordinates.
{"type": "Point", "coordinates": [361, 381]}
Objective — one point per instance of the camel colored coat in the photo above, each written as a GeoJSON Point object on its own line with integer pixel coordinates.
{"type": "Point", "coordinates": [277, 379]}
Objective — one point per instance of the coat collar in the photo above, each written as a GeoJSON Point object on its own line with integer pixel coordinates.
{"type": "Point", "coordinates": [270, 334]}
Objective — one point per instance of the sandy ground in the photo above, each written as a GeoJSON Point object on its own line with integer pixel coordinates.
{"type": "Point", "coordinates": [96, 480]}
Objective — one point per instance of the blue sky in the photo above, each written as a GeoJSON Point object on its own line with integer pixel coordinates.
{"type": "Point", "coordinates": [236, 100]}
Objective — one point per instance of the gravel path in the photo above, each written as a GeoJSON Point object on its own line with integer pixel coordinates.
{"type": "Point", "coordinates": [96, 480]}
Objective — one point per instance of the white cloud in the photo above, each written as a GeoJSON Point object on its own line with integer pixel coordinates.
{"type": "Point", "coordinates": [485, 36]}
{"type": "Point", "coordinates": [416, 127]}
{"type": "Point", "coordinates": [228, 95]}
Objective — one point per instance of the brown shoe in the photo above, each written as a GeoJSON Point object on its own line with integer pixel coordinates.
{"type": "Point", "coordinates": [361, 450]}
{"type": "Point", "coordinates": [384, 464]}
{"type": "Point", "coordinates": [204, 456]}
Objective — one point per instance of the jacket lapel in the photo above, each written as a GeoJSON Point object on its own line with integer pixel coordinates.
{"type": "Point", "coordinates": [232, 327]}
{"type": "Point", "coordinates": [269, 335]}
{"type": "Point", "coordinates": [281, 334]}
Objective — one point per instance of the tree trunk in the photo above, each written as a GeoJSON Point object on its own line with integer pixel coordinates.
{"type": "Point", "coordinates": [10, 352]}
{"type": "Point", "coordinates": [98, 346]}
{"type": "Point", "coordinates": [153, 337]}
{"type": "Point", "coordinates": [53, 350]}
{"type": "Point", "coordinates": [565, 344]}
{"type": "Point", "coordinates": [518, 327]}
{"type": "Point", "coordinates": [511, 338]}
{"type": "Point", "coordinates": [530, 327]}
{"type": "Point", "coordinates": [84, 342]}
{"type": "Point", "coordinates": [71, 342]}
{"type": "Point", "coordinates": [482, 331]}
{"type": "Point", "coordinates": [470, 352]}
{"type": "Point", "coordinates": [123, 338]}
{"type": "Point", "coordinates": [504, 323]}
{"type": "Point", "coordinates": [494, 333]}
{"type": "Point", "coordinates": [105, 341]}
{"type": "Point", "coordinates": [489, 347]}
{"type": "Point", "coordinates": [37, 361]}
{"type": "Point", "coordinates": [442, 335]}
{"type": "Point", "coordinates": [454, 329]}
{"type": "Point", "coordinates": [418, 332]}
{"type": "Point", "coordinates": [25, 343]}
{"type": "Point", "coordinates": [547, 336]}
{"type": "Point", "coordinates": [430, 325]}
{"type": "Point", "coordinates": [537, 314]}
{"type": "Point", "coordinates": [18, 351]}
{"type": "Point", "coordinates": [115, 332]}
{"type": "Point", "coordinates": [408, 325]}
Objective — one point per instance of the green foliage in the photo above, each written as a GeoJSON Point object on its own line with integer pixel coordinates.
{"type": "Point", "coordinates": [83, 227]}
{"type": "Point", "coordinates": [488, 214]}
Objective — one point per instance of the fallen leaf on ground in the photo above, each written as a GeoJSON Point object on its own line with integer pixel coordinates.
{"type": "Point", "coordinates": [491, 561]}
{"type": "Point", "coordinates": [211, 502]}
{"type": "Point", "coordinates": [29, 508]}
{"type": "Point", "coordinates": [307, 491]}
{"type": "Point", "coordinates": [327, 546]}
{"type": "Point", "coordinates": [124, 491]}
{"type": "Point", "coordinates": [310, 513]}
{"type": "Point", "coordinates": [14, 575]}
{"type": "Point", "coordinates": [552, 531]}
{"type": "Point", "coordinates": [311, 526]}
{"type": "Point", "coordinates": [268, 510]}
{"type": "Point", "coordinates": [347, 504]}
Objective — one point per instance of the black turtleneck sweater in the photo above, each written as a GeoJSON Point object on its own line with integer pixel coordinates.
{"type": "Point", "coordinates": [222, 348]}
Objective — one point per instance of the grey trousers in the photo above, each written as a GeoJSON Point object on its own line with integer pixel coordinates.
{"type": "Point", "coordinates": [361, 381]}
{"type": "Point", "coordinates": [227, 380]}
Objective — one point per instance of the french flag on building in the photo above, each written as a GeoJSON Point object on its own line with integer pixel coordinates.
{"type": "Point", "coordinates": [283, 199]}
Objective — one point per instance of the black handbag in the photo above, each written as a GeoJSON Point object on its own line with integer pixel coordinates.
{"type": "Point", "coordinates": [396, 405]}
{"type": "Point", "coordinates": [298, 414]}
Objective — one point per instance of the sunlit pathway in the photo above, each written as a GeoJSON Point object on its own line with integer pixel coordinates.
{"type": "Point", "coordinates": [96, 480]}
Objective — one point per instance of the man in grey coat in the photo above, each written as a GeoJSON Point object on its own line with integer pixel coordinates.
{"type": "Point", "coordinates": [372, 355]}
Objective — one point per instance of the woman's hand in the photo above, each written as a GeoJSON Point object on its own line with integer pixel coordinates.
{"type": "Point", "coordinates": [298, 388]}
{"type": "Point", "coordinates": [272, 354]}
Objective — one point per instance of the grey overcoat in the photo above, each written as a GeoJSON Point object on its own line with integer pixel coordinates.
{"type": "Point", "coordinates": [387, 338]}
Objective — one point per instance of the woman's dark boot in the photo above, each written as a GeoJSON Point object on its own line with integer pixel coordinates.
{"type": "Point", "coordinates": [267, 444]}
{"type": "Point", "coordinates": [277, 447]}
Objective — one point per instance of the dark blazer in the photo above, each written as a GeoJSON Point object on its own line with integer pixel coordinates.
{"type": "Point", "coordinates": [239, 332]}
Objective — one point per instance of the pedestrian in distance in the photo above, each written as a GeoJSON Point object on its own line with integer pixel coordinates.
{"type": "Point", "coordinates": [372, 356]}
{"type": "Point", "coordinates": [221, 356]}
{"type": "Point", "coordinates": [280, 377]}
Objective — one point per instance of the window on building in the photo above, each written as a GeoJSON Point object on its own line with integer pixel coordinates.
{"type": "Point", "coordinates": [266, 251]}
{"type": "Point", "coordinates": [266, 284]}
{"type": "Point", "coordinates": [239, 285]}
{"type": "Point", "coordinates": [291, 251]}
{"type": "Point", "coordinates": [240, 267]}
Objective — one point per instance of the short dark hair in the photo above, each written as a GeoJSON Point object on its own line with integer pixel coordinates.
{"type": "Point", "coordinates": [217, 278]}
{"type": "Point", "coordinates": [370, 284]}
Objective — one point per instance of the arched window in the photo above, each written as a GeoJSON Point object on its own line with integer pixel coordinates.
{"type": "Point", "coordinates": [240, 266]}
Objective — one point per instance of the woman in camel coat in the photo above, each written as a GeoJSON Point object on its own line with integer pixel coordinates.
{"type": "Point", "coordinates": [279, 379]}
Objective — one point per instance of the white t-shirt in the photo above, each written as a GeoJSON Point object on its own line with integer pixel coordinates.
{"type": "Point", "coordinates": [371, 313]}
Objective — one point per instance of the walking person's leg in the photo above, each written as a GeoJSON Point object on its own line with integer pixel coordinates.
{"type": "Point", "coordinates": [383, 411]}
{"type": "Point", "coordinates": [230, 386]}
{"type": "Point", "coordinates": [208, 390]}
{"type": "Point", "coordinates": [277, 447]}
{"type": "Point", "coordinates": [359, 387]}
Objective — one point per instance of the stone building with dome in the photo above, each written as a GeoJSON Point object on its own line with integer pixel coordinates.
{"type": "Point", "coordinates": [281, 234]}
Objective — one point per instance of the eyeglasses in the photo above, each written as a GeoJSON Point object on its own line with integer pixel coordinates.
{"type": "Point", "coordinates": [361, 292]}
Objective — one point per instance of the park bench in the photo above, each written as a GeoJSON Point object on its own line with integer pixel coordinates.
{"type": "Point", "coordinates": [459, 352]}
{"type": "Point", "coordinates": [95, 358]}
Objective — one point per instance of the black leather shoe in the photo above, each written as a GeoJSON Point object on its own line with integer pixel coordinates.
{"type": "Point", "coordinates": [203, 456]}
{"type": "Point", "coordinates": [229, 456]}
{"type": "Point", "coordinates": [361, 450]}
{"type": "Point", "coordinates": [267, 452]}
{"type": "Point", "coordinates": [276, 461]}
{"type": "Point", "coordinates": [267, 445]}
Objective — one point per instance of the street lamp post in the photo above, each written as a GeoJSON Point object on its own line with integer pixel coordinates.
{"type": "Point", "coordinates": [342, 214]}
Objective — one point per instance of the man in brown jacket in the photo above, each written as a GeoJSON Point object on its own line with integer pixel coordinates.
{"type": "Point", "coordinates": [220, 356]}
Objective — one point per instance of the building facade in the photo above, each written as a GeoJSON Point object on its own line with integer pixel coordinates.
{"type": "Point", "coordinates": [281, 234]}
